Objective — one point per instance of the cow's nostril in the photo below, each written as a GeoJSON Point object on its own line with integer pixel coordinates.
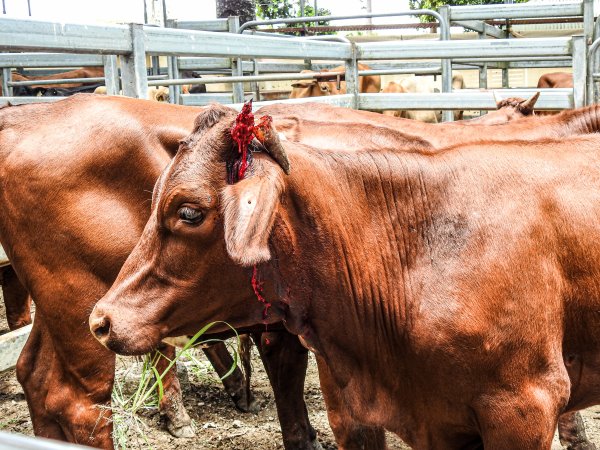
{"type": "Point", "coordinates": [101, 328]}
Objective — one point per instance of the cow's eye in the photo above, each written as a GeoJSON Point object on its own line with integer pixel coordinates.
{"type": "Point", "coordinates": [190, 215]}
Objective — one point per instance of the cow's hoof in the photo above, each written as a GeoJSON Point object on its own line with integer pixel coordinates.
{"type": "Point", "coordinates": [241, 403]}
{"type": "Point", "coordinates": [316, 445]}
{"type": "Point", "coordinates": [585, 445]}
{"type": "Point", "coordinates": [185, 431]}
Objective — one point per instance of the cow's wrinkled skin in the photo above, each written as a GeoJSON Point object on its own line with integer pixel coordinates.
{"type": "Point", "coordinates": [428, 284]}
{"type": "Point", "coordinates": [89, 164]}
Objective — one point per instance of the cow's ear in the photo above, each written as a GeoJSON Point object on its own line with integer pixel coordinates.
{"type": "Point", "coordinates": [249, 209]}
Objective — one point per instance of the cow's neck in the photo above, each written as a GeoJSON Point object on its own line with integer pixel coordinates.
{"type": "Point", "coordinates": [350, 237]}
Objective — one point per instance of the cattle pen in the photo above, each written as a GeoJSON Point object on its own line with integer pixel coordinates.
{"type": "Point", "coordinates": [225, 52]}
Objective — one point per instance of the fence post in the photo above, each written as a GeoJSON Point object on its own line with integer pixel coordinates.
{"type": "Point", "coordinates": [254, 85]}
{"type": "Point", "coordinates": [173, 73]}
{"type": "Point", "coordinates": [447, 115]}
{"type": "Point", "coordinates": [111, 74]}
{"type": "Point", "coordinates": [237, 69]}
{"type": "Point", "coordinates": [7, 90]}
{"type": "Point", "coordinates": [173, 70]}
{"type": "Point", "coordinates": [580, 70]}
{"type": "Point", "coordinates": [352, 77]}
{"type": "Point", "coordinates": [588, 20]}
{"type": "Point", "coordinates": [593, 66]}
{"type": "Point", "coordinates": [133, 67]}
{"type": "Point", "coordinates": [483, 68]}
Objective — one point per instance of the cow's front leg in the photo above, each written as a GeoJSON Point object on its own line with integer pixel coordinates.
{"type": "Point", "coordinates": [571, 431]}
{"type": "Point", "coordinates": [171, 405]}
{"type": "Point", "coordinates": [236, 385]}
{"type": "Point", "coordinates": [16, 299]}
{"type": "Point", "coordinates": [67, 379]}
{"type": "Point", "coordinates": [286, 361]}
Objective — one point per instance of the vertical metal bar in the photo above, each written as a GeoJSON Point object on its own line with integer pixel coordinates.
{"type": "Point", "coordinates": [254, 85]}
{"type": "Point", "coordinates": [133, 67]}
{"type": "Point", "coordinates": [588, 20]}
{"type": "Point", "coordinates": [482, 72]}
{"type": "Point", "coordinates": [171, 69]}
{"type": "Point", "coordinates": [155, 65]}
{"type": "Point", "coordinates": [352, 77]}
{"type": "Point", "coordinates": [111, 74]}
{"type": "Point", "coordinates": [580, 70]}
{"type": "Point", "coordinates": [505, 80]}
{"type": "Point", "coordinates": [594, 64]}
{"type": "Point", "coordinates": [237, 70]}
{"type": "Point", "coordinates": [447, 116]}
{"type": "Point", "coordinates": [6, 77]}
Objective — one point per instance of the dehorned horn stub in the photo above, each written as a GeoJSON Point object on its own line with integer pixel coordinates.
{"type": "Point", "coordinates": [269, 137]}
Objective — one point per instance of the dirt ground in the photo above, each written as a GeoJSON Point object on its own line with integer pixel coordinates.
{"type": "Point", "coordinates": [218, 424]}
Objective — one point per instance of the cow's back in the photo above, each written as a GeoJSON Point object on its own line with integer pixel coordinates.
{"type": "Point", "coordinates": [92, 187]}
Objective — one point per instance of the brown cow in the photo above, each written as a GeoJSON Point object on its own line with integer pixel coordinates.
{"type": "Point", "coordinates": [444, 292]}
{"type": "Point", "coordinates": [556, 80]}
{"type": "Point", "coordinates": [105, 153]}
{"type": "Point", "coordinates": [85, 72]}
{"type": "Point", "coordinates": [316, 88]}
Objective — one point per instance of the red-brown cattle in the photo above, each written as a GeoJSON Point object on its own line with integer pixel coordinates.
{"type": "Point", "coordinates": [556, 80]}
{"type": "Point", "coordinates": [90, 163]}
{"type": "Point", "coordinates": [443, 291]}
{"type": "Point", "coordinates": [316, 88]}
{"type": "Point", "coordinates": [165, 132]}
{"type": "Point", "coordinates": [63, 88]}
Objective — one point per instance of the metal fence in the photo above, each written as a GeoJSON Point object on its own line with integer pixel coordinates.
{"type": "Point", "coordinates": [237, 56]}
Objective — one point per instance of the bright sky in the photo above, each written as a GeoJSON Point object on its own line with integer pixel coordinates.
{"type": "Point", "coordinates": [114, 11]}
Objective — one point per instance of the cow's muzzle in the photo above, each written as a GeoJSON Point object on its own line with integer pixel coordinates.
{"type": "Point", "coordinates": [126, 339]}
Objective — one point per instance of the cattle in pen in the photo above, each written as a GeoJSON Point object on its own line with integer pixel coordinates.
{"type": "Point", "coordinates": [110, 121]}
{"type": "Point", "coordinates": [489, 334]}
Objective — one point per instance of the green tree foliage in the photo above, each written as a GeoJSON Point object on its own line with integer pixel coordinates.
{"type": "Point", "coordinates": [435, 4]}
{"type": "Point", "coordinates": [282, 9]}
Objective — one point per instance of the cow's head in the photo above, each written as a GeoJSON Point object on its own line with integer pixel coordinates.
{"type": "Point", "coordinates": [310, 88]}
{"type": "Point", "coordinates": [516, 107]}
{"type": "Point", "coordinates": [194, 261]}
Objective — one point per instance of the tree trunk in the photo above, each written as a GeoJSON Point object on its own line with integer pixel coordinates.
{"type": "Point", "coordinates": [245, 9]}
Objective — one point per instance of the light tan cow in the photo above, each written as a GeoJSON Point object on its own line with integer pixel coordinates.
{"type": "Point", "coordinates": [317, 88]}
